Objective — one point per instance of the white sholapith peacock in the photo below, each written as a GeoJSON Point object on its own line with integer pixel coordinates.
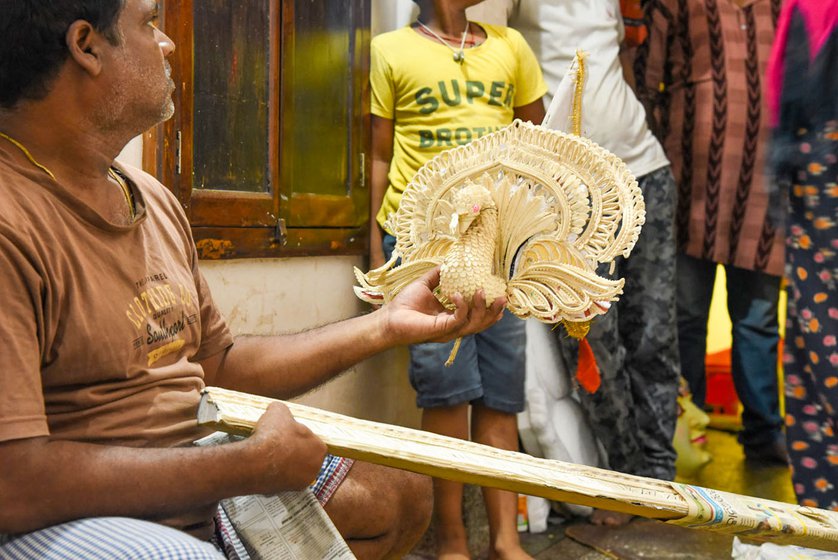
{"type": "Point", "coordinates": [526, 212]}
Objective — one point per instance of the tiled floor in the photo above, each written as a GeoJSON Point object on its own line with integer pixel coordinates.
{"type": "Point", "coordinates": [576, 539]}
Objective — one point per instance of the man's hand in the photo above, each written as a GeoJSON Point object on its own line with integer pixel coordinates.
{"type": "Point", "coordinates": [415, 315]}
{"type": "Point", "coordinates": [282, 453]}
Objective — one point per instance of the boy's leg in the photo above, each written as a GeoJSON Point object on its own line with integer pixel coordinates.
{"type": "Point", "coordinates": [499, 430]}
{"type": "Point", "coordinates": [108, 537]}
{"type": "Point", "coordinates": [452, 540]}
{"type": "Point", "coordinates": [637, 350]}
{"type": "Point", "coordinates": [611, 409]}
{"type": "Point", "coordinates": [443, 394]}
{"type": "Point", "coordinates": [501, 354]}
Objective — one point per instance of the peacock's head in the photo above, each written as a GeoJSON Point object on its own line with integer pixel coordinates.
{"type": "Point", "coordinates": [468, 201]}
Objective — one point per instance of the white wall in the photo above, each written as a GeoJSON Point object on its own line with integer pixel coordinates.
{"type": "Point", "coordinates": [132, 153]}
{"type": "Point", "coordinates": [392, 14]}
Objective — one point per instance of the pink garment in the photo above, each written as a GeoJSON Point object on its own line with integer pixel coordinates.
{"type": "Point", "coordinates": [820, 18]}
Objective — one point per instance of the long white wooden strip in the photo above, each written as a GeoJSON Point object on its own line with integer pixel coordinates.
{"type": "Point", "coordinates": [468, 462]}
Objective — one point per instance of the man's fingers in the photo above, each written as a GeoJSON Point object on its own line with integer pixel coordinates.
{"type": "Point", "coordinates": [461, 308]}
{"type": "Point", "coordinates": [469, 319]}
{"type": "Point", "coordinates": [286, 453]}
{"type": "Point", "coordinates": [431, 278]}
{"type": "Point", "coordinates": [479, 300]}
{"type": "Point", "coordinates": [498, 305]}
{"type": "Point", "coordinates": [275, 413]}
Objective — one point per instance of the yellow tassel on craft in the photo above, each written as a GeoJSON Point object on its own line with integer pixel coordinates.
{"type": "Point", "coordinates": [577, 330]}
{"type": "Point", "coordinates": [576, 115]}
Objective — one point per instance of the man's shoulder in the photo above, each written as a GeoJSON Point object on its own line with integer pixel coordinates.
{"type": "Point", "coordinates": [19, 192]}
{"type": "Point", "coordinates": [668, 7]}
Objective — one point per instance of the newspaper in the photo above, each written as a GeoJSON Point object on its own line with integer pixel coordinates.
{"type": "Point", "coordinates": [753, 517]}
{"type": "Point", "coordinates": [287, 526]}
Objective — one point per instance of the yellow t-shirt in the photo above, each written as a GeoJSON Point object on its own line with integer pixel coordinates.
{"type": "Point", "coordinates": [438, 104]}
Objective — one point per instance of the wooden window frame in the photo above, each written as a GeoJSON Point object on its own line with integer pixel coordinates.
{"type": "Point", "coordinates": [283, 223]}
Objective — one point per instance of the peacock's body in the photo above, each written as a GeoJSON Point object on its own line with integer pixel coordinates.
{"type": "Point", "coordinates": [468, 264]}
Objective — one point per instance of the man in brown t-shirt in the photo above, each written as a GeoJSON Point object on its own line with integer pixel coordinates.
{"type": "Point", "coordinates": [108, 329]}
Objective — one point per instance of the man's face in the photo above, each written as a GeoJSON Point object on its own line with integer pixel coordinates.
{"type": "Point", "coordinates": [139, 90]}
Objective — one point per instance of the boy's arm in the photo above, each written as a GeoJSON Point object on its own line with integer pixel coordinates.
{"type": "Point", "coordinates": [532, 112]}
{"type": "Point", "coordinates": [382, 154]}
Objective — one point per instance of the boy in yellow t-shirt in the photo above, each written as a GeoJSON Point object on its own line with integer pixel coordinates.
{"type": "Point", "coordinates": [442, 82]}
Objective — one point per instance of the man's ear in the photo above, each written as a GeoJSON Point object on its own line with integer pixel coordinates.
{"type": "Point", "coordinates": [83, 43]}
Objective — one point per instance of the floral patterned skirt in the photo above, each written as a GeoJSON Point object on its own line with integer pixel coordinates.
{"type": "Point", "coordinates": [811, 352]}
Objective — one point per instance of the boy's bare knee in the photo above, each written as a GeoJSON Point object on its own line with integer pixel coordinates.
{"type": "Point", "coordinates": [380, 511]}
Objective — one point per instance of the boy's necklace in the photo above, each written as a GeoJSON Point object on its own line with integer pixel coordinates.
{"type": "Point", "coordinates": [459, 55]}
{"type": "Point", "coordinates": [126, 190]}
{"type": "Point", "coordinates": [471, 39]}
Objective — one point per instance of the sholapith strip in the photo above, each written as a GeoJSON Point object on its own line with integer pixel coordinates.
{"type": "Point", "coordinates": [472, 463]}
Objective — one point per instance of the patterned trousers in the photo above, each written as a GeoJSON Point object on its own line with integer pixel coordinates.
{"type": "Point", "coordinates": [635, 344]}
{"type": "Point", "coordinates": [811, 349]}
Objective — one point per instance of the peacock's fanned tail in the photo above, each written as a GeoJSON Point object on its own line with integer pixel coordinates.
{"type": "Point", "coordinates": [559, 207]}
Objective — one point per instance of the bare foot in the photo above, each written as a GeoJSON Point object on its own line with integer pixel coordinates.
{"type": "Point", "coordinates": [453, 555]}
{"type": "Point", "coordinates": [453, 548]}
{"type": "Point", "coordinates": [511, 553]}
{"type": "Point", "coordinates": [610, 518]}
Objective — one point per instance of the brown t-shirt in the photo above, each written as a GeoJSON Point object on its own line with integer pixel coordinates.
{"type": "Point", "coordinates": [101, 325]}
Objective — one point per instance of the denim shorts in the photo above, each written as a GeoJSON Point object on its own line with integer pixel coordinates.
{"type": "Point", "coordinates": [488, 370]}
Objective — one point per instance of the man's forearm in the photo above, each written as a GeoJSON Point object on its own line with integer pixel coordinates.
{"type": "Point", "coordinates": [45, 482]}
{"type": "Point", "coordinates": [285, 366]}
{"type": "Point", "coordinates": [48, 482]}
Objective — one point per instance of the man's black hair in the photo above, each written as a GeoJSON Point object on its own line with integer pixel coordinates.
{"type": "Point", "coordinates": [32, 41]}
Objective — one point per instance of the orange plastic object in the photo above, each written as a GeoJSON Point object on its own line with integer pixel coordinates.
{"type": "Point", "coordinates": [721, 394]}
{"type": "Point", "coordinates": [587, 372]}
